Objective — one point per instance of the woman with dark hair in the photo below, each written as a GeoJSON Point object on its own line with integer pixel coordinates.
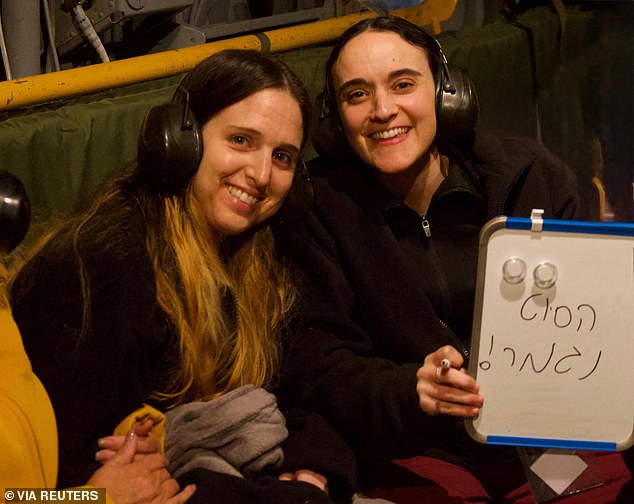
{"type": "Point", "coordinates": [166, 292]}
{"type": "Point", "coordinates": [386, 261]}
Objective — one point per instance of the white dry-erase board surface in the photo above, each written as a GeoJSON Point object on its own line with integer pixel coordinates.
{"type": "Point", "coordinates": [553, 336]}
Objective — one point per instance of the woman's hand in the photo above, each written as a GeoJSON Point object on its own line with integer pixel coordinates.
{"type": "Point", "coordinates": [306, 476]}
{"type": "Point", "coordinates": [145, 443]}
{"type": "Point", "coordinates": [447, 390]}
{"type": "Point", "coordinates": [142, 481]}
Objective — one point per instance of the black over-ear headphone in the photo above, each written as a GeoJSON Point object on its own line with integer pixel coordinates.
{"type": "Point", "coordinates": [170, 149]}
{"type": "Point", "coordinates": [457, 107]}
{"type": "Point", "coordinates": [15, 212]}
{"type": "Point", "coordinates": [299, 199]}
{"type": "Point", "coordinates": [170, 145]}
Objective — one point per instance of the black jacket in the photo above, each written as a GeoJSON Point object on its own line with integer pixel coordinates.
{"type": "Point", "coordinates": [96, 379]}
{"type": "Point", "coordinates": [368, 320]}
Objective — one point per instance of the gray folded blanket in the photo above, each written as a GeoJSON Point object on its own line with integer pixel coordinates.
{"type": "Point", "coordinates": [238, 433]}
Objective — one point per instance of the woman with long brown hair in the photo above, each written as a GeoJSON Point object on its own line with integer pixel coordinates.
{"type": "Point", "coordinates": [166, 291]}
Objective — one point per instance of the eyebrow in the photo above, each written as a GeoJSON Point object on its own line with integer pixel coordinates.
{"type": "Point", "coordinates": [391, 76]}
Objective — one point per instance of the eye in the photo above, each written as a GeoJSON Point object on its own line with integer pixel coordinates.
{"type": "Point", "coordinates": [356, 96]}
{"type": "Point", "coordinates": [403, 85]}
{"type": "Point", "coordinates": [239, 140]}
{"type": "Point", "coordinates": [284, 158]}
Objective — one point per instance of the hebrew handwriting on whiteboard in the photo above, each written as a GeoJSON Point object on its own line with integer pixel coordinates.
{"type": "Point", "coordinates": [556, 357]}
{"type": "Point", "coordinates": [530, 362]}
{"type": "Point", "coordinates": [562, 316]}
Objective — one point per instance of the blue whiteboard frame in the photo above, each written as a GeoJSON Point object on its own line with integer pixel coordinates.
{"type": "Point", "coordinates": [528, 225]}
{"type": "Point", "coordinates": [565, 226]}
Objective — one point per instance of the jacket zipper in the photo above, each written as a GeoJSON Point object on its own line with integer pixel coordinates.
{"type": "Point", "coordinates": [444, 288]}
{"type": "Point", "coordinates": [426, 227]}
{"type": "Point", "coordinates": [457, 341]}
{"type": "Point", "coordinates": [452, 336]}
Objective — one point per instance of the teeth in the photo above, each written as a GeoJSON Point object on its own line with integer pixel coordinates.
{"type": "Point", "coordinates": [391, 133]}
{"type": "Point", "coordinates": [241, 195]}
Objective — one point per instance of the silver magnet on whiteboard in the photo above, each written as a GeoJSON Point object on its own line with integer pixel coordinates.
{"type": "Point", "coordinates": [514, 270]}
{"type": "Point", "coordinates": [545, 275]}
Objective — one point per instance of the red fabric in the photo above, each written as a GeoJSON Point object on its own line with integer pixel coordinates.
{"type": "Point", "coordinates": [441, 483]}
{"type": "Point", "coordinates": [445, 483]}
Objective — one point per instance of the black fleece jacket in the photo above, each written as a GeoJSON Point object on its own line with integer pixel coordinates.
{"type": "Point", "coordinates": [368, 321]}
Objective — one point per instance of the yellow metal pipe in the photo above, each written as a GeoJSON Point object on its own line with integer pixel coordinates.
{"type": "Point", "coordinates": [82, 80]}
{"type": "Point", "coordinates": [90, 79]}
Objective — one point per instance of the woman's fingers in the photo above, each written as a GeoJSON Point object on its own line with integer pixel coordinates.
{"type": "Point", "coordinates": [444, 387]}
{"type": "Point", "coordinates": [145, 443]}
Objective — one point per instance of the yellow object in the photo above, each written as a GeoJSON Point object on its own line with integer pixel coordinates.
{"type": "Point", "coordinates": [76, 81]}
{"type": "Point", "coordinates": [28, 433]}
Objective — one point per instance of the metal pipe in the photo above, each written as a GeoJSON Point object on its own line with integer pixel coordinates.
{"type": "Point", "coordinates": [5, 55]}
{"type": "Point", "coordinates": [76, 81]}
{"type": "Point", "coordinates": [50, 35]}
{"type": "Point", "coordinates": [21, 22]}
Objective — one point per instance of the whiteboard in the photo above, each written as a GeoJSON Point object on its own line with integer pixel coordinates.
{"type": "Point", "coordinates": [553, 335]}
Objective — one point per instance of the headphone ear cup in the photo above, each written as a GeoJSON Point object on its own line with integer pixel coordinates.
{"type": "Point", "coordinates": [456, 112]}
{"type": "Point", "coordinates": [327, 136]}
{"type": "Point", "coordinates": [169, 148]}
{"type": "Point", "coordinates": [15, 212]}
{"type": "Point", "coordinates": [299, 199]}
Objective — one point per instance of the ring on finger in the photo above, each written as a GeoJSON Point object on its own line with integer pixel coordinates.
{"type": "Point", "coordinates": [437, 375]}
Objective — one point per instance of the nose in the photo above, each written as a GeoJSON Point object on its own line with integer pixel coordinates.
{"type": "Point", "coordinates": [384, 106]}
{"type": "Point", "coordinates": [259, 170]}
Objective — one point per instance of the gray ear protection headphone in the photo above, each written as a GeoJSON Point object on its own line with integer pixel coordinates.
{"type": "Point", "coordinates": [170, 149]}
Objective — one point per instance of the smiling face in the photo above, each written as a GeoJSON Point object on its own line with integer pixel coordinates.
{"type": "Point", "coordinates": [385, 93]}
{"type": "Point", "coordinates": [250, 152]}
